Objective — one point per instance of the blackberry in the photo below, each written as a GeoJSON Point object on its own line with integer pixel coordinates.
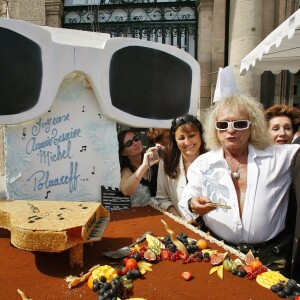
{"type": "Point", "coordinates": [129, 274]}
{"type": "Point", "coordinates": [96, 287]}
{"type": "Point", "coordinates": [135, 273]}
{"type": "Point", "coordinates": [241, 273]}
{"type": "Point", "coordinates": [172, 247]}
{"type": "Point", "coordinates": [281, 294]}
{"type": "Point", "coordinates": [103, 279]}
{"type": "Point", "coordinates": [234, 271]}
{"type": "Point", "coordinates": [198, 254]}
{"type": "Point", "coordinates": [279, 286]}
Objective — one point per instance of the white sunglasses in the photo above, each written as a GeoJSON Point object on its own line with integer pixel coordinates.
{"type": "Point", "coordinates": [136, 82]}
{"type": "Point", "coordinates": [237, 125]}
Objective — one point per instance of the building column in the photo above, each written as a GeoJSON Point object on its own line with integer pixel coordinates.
{"type": "Point", "coordinates": [245, 33]}
{"type": "Point", "coordinates": [54, 12]}
{"type": "Point", "coordinates": [211, 45]}
{"type": "Point", "coordinates": [204, 55]}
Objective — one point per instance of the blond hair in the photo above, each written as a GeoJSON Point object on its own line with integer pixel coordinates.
{"type": "Point", "coordinates": [259, 136]}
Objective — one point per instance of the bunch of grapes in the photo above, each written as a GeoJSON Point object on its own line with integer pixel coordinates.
{"type": "Point", "coordinates": [289, 290]}
{"type": "Point", "coordinates": [108, 290]}
{"type": "Point", "coordinates": [190, 247]}
{"type": "Point", "coordinates": [169, 244]}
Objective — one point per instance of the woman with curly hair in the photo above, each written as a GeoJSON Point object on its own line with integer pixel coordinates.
{"type": "Point", "coordinates": [241, 187]}
{"type": "Point", "coordinates": [283, 121]}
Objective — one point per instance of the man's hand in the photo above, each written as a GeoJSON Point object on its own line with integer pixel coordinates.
{"type": "Point", "coordinates": [198, 205]}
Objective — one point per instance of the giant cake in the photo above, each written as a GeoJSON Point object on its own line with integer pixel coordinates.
{"type": "Point", "coordinates": [42, 276]}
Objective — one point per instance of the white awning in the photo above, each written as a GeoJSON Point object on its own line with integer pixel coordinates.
{"type": "Point", "coordinates": [280, 50]}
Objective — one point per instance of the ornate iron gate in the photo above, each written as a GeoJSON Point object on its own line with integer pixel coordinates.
{"type": "Point", "coordinates": [168, 22]}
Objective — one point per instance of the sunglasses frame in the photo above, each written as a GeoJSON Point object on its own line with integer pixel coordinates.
{"type": "Point", "coordinates": [65, 51]}
{"type": "Point", "coordinates": [136, 138]}
{"type": "Point", "coordinates": [231, 124]}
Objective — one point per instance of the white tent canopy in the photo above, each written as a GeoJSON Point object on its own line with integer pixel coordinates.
{"type": "Point", "coordinates": [280, 50]}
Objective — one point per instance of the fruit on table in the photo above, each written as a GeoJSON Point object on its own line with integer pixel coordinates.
{"type": "Point", "coordinates": [131, 264]}
{"type": "Point", "coordinates": [103, 271]}
{"type": "Point", "coordinates": [220, 271]}
{"type": "Point", "coordinates": [165, 254]}
{"type": "Point", "coordinates": [213, 270]}
{"type": "Point", "coordinates": [269, 278]}
{"type": "Point", "coordinates": [256, 263]}
{"type": "Point", "coordinates": [144, 266]}
{"type": "Point", "coordinates": [229, 264]}
{"type": "Point", "coordinates": [217, 258]}
{"type": "Point", "coordinates": [249, 257]}
{"type": "Point", "coordinates": [202, 244]}
{"type": "Point", "coordinates": [290, 289]}
{"type": "Point", "coordinates": [149, 255]}
{"type": "Point", "coordinates": [186, 275]}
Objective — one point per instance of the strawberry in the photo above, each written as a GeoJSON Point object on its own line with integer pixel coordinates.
{"type": "Point", "coordinates": [165, 254]}
{"type": "Point", "coordinates": [249, 269]}
{"type": "Point", "coordinates": [119, 272]}
{"type": "Point", "coordinates": [125, 260]}
{"type": "Point", "coordinates": [186, 275]}
{"type": "Point", "coordinates": [182, 255]}
{"type": "Point", "coordinates": [125, 270]}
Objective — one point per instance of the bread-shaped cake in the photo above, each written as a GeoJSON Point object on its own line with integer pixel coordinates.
{"type": "Point", "coordinates": [51, 226]}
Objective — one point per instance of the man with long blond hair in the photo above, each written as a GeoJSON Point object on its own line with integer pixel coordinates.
{"type": "Point", "coordinates": [241, 186]}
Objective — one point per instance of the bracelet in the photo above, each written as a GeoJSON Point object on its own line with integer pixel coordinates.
{"type": "Point", "coordinates": [189, 206]}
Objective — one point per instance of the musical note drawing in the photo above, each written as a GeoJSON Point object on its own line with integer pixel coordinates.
{"type": "Point", "coordinates": [83, 148]}
{"type": "Point", "coordinates": [99, 116]}
{"type": "Point", "coordinates": [50, 109]}
{"type": "Point", "coordinates": [24, 133]}
{"type": "Point", "coordinates": [93, 170]}
{"type": "Point", "coordinates": [83, 108]}
{"type": "Point", "coordinates": [47, 194]}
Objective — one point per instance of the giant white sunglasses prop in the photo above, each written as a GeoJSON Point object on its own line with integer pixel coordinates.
{"type": "Point", "coordinates": [136, 82]}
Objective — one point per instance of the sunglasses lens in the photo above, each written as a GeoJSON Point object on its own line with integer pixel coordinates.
{"type": "Point", "coordinates": [222, 125]}
{"type": "Point", "coordinates": [240, 124]}
{"type": "Point", "coordinates": [129, 143]}
{"type": "Point", "coordinates": [154, 93]}
{"type": "Point", "coordinates": [21, 72]}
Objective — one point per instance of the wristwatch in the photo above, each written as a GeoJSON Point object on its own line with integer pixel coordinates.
{"type": "Point", "coordinates": [189, 206]}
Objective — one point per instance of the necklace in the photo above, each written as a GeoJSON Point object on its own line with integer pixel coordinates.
{"type": "Point", "coordinates": [236, 175]}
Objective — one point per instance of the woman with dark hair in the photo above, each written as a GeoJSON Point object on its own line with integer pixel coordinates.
{"type": "Point", "coordinates": [185, 146]}
{"type": "Point", "coordinates": [138, 168]}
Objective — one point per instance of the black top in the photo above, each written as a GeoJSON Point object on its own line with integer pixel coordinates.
{"type": "Point", "coordinates": [152, 184]}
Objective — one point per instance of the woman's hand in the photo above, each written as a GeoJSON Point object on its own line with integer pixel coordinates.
{"type": "Point", "coordinates": [153, 154]}
{"type": "Point", "coordinates": [198, 205]}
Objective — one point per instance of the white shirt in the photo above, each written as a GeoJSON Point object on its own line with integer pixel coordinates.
{"type": "Point", "coordinates": [266, 199]}
{"type": "Point", "coordinates": [169, 190]}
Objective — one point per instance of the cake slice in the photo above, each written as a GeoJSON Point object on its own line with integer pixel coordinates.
{"type": "Point", "coordinates": [51, 226]}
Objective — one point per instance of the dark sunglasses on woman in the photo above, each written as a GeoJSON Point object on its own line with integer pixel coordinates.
{"type": "Point", "coordinates": [129, 143]}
